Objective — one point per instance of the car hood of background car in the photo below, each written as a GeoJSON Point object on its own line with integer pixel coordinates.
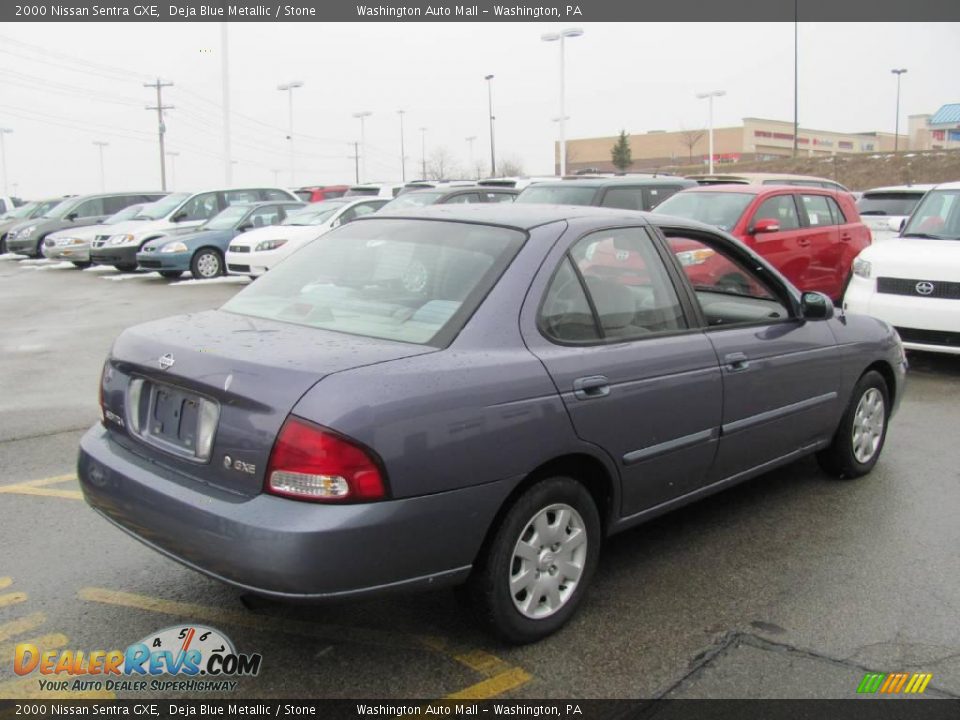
{"type": "Point", "coordinates": [915, 258]}
{"type": "Point", "coordinates": [281, 232]}
{"type": "Point", "coordinates": [86, 232]}
{"type": "Point", "coordinates": [193, 239]}
{"type": "Point", "coordinates": [139, 227]}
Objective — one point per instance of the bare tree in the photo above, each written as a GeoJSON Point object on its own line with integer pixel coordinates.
{"type": "Point", "coordinates": [511, 166]}
{"type": "Point", "coordinates": [689, 139]}
{"type": "Point", "coordinates": [441, 165]}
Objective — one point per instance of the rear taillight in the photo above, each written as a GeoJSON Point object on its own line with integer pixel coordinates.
{"type": "Point", "coordinates": [309, 462]}
{"type": "Point", "coordinates": [105, 376]}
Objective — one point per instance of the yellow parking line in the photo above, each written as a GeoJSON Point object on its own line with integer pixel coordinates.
{"type": "Point", "coordinates": [494, 686]}
{"type": "Point", "coordinates": [12, 599]}
{"type": "Point", "coordinates": [22, 625]}
{"type": "Point", "coordinates": [38, 487]}
{"type": "Point", "coordinates": [45, 642]}
{"type": "Point", "coordinates": [29, 688]}
{"type": "Point", "coordinates": [5, 582]}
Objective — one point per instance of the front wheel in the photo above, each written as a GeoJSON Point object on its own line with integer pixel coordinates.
{"type": "Point", "coordinates": [126, 267]}
{"type": "Point", "coordinates": [171, 274]}
{"type": "Point", "coordinates": [206, 264]}
{"type": "Point", "coordinates": [859, 439]}
{"type": "Point", "coordinates": [535, 570]}
{"type": "Point", "coordinates": [82, 264]}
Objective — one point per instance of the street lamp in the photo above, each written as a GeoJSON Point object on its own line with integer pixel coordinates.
{"type": "Point", "coordinates": [101, 145]}
{"type": "Point", "coordinates": [289, 88]}
{"type": "Point", "coordinates": [363, 142]}
{"type": "Point", "coordinates": [473, 164]}
{"type": "Point", "coordinates": [562, 36]}
{"type": "Point", "coordinates": [709, 96]}
{"type": "Point", "coordinates": [173, 155]}
{"type": "Point", "coordinates": [896, 132]}
{"type": "Point", "coordinates": [423, 153]}
{"type": "Point", "coordinates": [3, 157]}
{"type": "Point", "coordinates": [493, 157]}
{"type": "Point", "coordinates": [403, 154]}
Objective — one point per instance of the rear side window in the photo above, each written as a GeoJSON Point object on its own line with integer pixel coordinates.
{"type": "Point", "coordinates": [275, 195]}
{"type": "Point", "coordinates": [838, 217]}
{"type": "Point", "coordinates": [781, 208]}
{"type": "Point", "coordinates": [495, 197]}
{"type": "Point", "coordinates": [627, 198]}
{"type": "Point", "coordinates": [653, 196]}
{"type": "Point", "coordinates": [243, 196]}
{"type": "Point", "coordinates": [117, 203]}
{"type": "Point", "coordinates": [557, 195]}
{"type": "Point", "coordinates": [565, 314]}
{"type": "Point", "coordinates": [90, 208]}
{"type": "Point", "coordinates": [817, 210]}
{"type": "Point", "coordinates": [202, 207]}
{"type": "Point", "coordinates": [464, 199]}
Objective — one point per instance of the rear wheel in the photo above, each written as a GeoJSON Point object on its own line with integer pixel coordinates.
{"type": "Point", "coordinates": [859, 439]}
{"type": "Point", "coordinates": [126, 267]}
{"type": "Point", "coordinates": [82, 264]}
{"type": "Point", "coordinates": [206, 264]}
{"type": "Point", "coordinates": [171, 274]}
{"type": "Point", "coordinates": [535, 570]}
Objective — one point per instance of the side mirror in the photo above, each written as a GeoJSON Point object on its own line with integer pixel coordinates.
{"type": "Point", "coordinates": [179, 216]}
{"type": "Point", "coordinates": [816, 306]}
{"type": "Point", "coordinates": [897, 224]}
{"type": "Point", "coordinates": [766, 225]}
{"type": "Point", "coordinates": [243, 228]}
{"type": "Point", "coordinates": [72, 216]}
{"type": "Point", "coordinates": [336, 223]}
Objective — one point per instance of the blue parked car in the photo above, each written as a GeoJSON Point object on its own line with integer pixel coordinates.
{"type": "Point", "coordinates": [475, 394]}
{"type": "Point", "coordinates": [200, 250]}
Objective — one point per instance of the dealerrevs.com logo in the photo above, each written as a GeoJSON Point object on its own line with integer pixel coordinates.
{"type": "Point", "coordinates": [200, 658]}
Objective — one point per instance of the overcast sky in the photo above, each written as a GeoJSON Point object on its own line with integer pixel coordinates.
{"type": "Point", "coordinates": [64, 86]}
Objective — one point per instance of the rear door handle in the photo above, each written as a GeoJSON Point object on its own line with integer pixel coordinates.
{"type": "Point", "coordinates": [846, 237]}
{"type": "Point", "coordinates": [587, 388]}
{"type": "Point", "coordinates": [736, 362]}
{"type": "Point", "coordinates": [803, 242]}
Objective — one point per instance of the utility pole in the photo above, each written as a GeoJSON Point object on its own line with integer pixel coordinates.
{"type": "Point", "coordinates": [161, 128]}
{"type": "Point", "coordinates": [101, 145]}
{"type": "Point", "coordinates": [796, 76]}
{"type": "Point", "coordinates": [493, 157]}
{"type": "Point", "coordinates": [225, 78]}
{"type": "Point", "coordinates": [173, 155]}
{"type": "Point", "coordinates": [361, 116]}
{"type": "Point", "coordinates": [3, 157]}
{"type": "Point", "coordinates": [403, 154]}
{"type": "Point", "coordinates": [473, 162]}
{"type": "Point", "coordinates": [289, 88]}
{"type": "Point", "coordinates": [356, 162]}
{"type": "Point", "coordinates": [896, 132]}
{"type": "Point", "coordinates": [423, 153]}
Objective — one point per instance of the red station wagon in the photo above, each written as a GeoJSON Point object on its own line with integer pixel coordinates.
{"type": "Point", "coordinates": [811, 235]}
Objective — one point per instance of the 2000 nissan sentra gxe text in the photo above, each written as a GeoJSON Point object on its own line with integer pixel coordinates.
{"type": "Point", "coordinates": [474, 394]}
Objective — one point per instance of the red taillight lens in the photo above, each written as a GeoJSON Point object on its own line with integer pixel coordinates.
{"type": "Point", "coordinates": [310, 463]}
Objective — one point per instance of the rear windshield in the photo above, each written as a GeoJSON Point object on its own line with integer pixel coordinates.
{"type": "Point", "coordinates": [61, 209]}
{"type": "Point", "coordinates": [892, 203]}
{"type": "Point", "coordinates": [720, 209]}
{"type": "Point", "coordinates": [415, 281]}
{"type": "Point", "coordinates": [557, 195]}
{"type": "Point", "coordinates": [315, 214]}
{"type": "Point", "coordinates": [128, 213]}
{"type": "Point", "coordinates": [413, 200]}
{"type": "Point", "coordinates": [227, 219]}
{"type": "Point", "coordinates": [357, 191]}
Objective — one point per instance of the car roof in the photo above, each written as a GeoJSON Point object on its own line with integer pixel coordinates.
{"type": "Point", "coordinates": [919, 189]}
{"type": "Point", "coordinates": [598, 182]}
{"type": "Point", "coordinates": [758, 177]}
{"type": "Point", "coordinates": [948, 186]}
{"type": "Point", "coordinates": [748, 189]}
{"type": "Point", "coordinates": [528, 216]}
{"type": "Point", "coordinates": [262, 203]}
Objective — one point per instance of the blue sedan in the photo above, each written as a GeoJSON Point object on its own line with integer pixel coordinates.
{"type": "Point", "coordinates": [200, 250]}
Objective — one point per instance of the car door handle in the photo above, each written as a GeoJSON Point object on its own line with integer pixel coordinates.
{"type": "Point", "coordinates": [846, 237]}
{"type": "Point", "coordinates": [803, 242]}
{"type": "Point", "coordinates": [736, 362]}
{"type": "Point", "coordinates": [587, 388]}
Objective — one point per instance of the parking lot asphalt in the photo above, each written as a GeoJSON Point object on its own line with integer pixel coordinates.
{"type": "Point", "coordinates": [791, 585]}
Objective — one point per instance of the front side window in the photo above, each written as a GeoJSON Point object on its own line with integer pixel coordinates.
{"type": "Point", "coordinates": [728, 292]}
{"type": "Point", "coordinates": [625, 285]}
{"type": "Point", "coordinates": [937, 216]}
{"type": "Point", "coordinates": [415, 281]}
{"type": "Point", "coordinates": [89, 208]}
{"type": "Point", "coordinates": [263, 216]}
{"type": "Point", "coordinates": [781, 208]}
{"type": "Point", "coordinates": [817, 210]}
{"type": "Point", "coordinates": [202, 207]}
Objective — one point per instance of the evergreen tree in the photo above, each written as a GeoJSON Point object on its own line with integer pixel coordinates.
{"type": "Point", "coordinates": [620, 153]}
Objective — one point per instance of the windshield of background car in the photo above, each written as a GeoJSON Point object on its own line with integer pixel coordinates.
{"type": "Point", "coordinates": [227, 218]}
{"type": "Point", "coordinates": [891, 203]}
{"type": "Point", "coordinates": [720, 209]}
{"type": "Point", "coordinates": [413, 200]}
{"type": "Point", "coordinates": [24, 211]}
{"type": "Point", "coordinates": [128, 213]}
{"type": "Point", "coordinates": [61, 209]}
{"type": "Point", "coordinates": [557, 195]}
{"type": "Point", "coordinates": [316, 214]}
{"type": "Point", "coordinates": [937, 216]}
{"type": "Point", "coordinates": [161, 208]}
{"type": "Point", "coordinates": [415, 281]}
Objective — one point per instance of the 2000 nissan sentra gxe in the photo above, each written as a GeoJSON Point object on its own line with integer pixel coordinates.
{"type": "Point", "coordinates": [476, 394]}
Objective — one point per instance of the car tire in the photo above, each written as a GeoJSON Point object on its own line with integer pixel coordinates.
{"type": "Point", "coordinates": [535, 541]}
{"type": "Point", "coordinates": [859, 439]}
{"type": "Point", "coordinates": [81, 264]}
{"type": "Point", "coordinates": [206, 264]}
{"type": "Point", "coordinates": [170, 274]}
{"type": "Point", "coordinates": [126, 267]}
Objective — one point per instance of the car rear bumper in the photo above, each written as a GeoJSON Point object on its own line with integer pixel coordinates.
{"type": "Point", "coordinates": [285, 548]}
{"type": "Point", "coordinates": [114, 255]}
{"type": "Point", "coordinates": [164, 261]}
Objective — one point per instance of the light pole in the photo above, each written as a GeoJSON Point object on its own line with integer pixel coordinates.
{"type": "Point", "coordinates": [493, 156]}
{"type": "Point", "coordinates": [473, 163]}
{"type": "Point", "coordinates": [423, 153]}
{"type": "Point", "coordinates": [173, 155]}
{"type": "Point", "coordinates": [225, 82]}
{"type": "Point", "coordinates": [403, 154]}
{"type": "Point", "coordinates": [709, 96]}
{"type": "Point", "coordinates": [562, 36]}
{"type": "Point", "coordinates": [896, 132]}
{"type": "Point", "coordinates": [362, 116]}
{"type": "Point", "coordinates": [289, 88]}
{"type": "Point", "coordinates": [3, 157]}
{"type": "Point", "coordinates": [101, 145]}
